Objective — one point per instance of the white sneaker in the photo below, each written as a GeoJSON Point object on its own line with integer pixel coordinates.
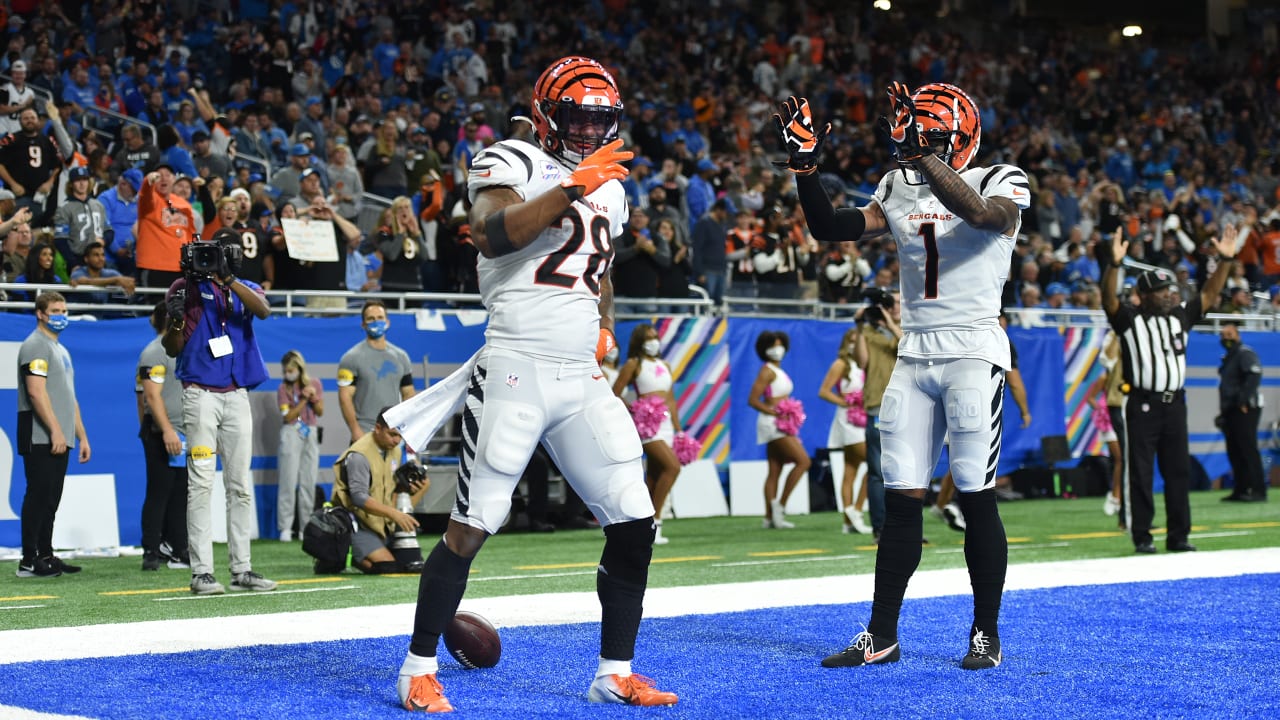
{"type": "Point", "coordinates": [858, 522]}
{"type": "Point", "coordinates": [779, 516]}
{"type": "Point", "coordinates": [954, 517]}
{"type": "Point", "coordinates": [286, 536]}
{"type": "Point", "coordinates": [1110, 505]}
{"type": "Point", "coordinates": [658, 539]}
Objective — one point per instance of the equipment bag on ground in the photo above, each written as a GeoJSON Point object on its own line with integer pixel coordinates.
{"type": "Point", "coordinates": [327, 538]}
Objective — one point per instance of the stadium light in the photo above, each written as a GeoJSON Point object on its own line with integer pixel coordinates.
{"type": "Point", "coordinates": [1131, 30]}
{"type": "Point", "coordinates": [882, 5]}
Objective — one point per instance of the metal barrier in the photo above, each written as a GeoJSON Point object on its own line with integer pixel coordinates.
{"type": "Point", "coordinates": [291, 303]}
{"type": "Point", "coordinates": [146, 127]}
{"type": "Point", "coordinates": [371, 209]}
{"type": "Point", "coordinates": [254, 160]}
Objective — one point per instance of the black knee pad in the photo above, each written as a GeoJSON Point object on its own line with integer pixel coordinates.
{"type": "Point", "coordinates": [628, 548]}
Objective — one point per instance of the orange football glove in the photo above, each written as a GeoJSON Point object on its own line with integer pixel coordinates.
{"type": "Point", "coordinates": [604, 343]}
{"type": "Point", "coordinates": [802, 143]}
{"type": "Point", "coordinates": [597, 169]}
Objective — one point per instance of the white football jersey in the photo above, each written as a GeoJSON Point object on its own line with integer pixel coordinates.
{"type": "Point", "coordinates": [952, 274]}
{"type": "Point", "coordinates": [544, 299]}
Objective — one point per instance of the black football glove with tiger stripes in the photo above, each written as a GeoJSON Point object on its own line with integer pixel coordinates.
{"type": "Point", "coordinates": [802, 143]}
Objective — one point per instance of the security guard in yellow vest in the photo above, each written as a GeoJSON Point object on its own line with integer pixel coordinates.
{"type": "Point", "coordinates": [365, 483]}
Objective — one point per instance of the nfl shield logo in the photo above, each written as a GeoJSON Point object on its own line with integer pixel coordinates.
{"type": "Point", "coordinates": [512, 380]}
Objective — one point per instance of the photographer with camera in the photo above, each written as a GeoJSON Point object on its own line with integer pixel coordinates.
{"type": "Point", "coordinates": [877, 353]}
{"type": "Point", "coordinates": [365, 484]}
{"type": "Point", "coordinates": [210, 332]}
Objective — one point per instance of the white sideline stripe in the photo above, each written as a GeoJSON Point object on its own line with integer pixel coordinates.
{"type": "Point", "coordinates": [238, 594]}
{"type": "Point", "coordinates": [16, 713]}
{"type": "Point", "coordinates": [20, 607]}
{"type": "Point", "coordinates": [172, 636]}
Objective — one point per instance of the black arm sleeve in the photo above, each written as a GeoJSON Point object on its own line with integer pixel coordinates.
{"type": "Point", "coordinates": [825, 222]}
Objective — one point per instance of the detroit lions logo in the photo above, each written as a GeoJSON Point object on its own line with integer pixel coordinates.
{"type": "Point", "coordinates": [387, 368]}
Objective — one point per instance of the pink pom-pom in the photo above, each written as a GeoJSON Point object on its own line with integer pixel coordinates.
{"type": "Point", "coordinates": [855, 413]}
{"type": "Point", "coordinates": [1101, 416]}
{"type": "Point", "coordinates": [648, 413]}
{"type": "Point", "coordinates": [790, 416]}
{"type": "Point", "coordinates": [686, 447]}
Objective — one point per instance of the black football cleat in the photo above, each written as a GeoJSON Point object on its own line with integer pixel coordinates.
{"type": "Point", "coordinates": [1183, 546]}
{"type": "Point", "coordinates": [1145, 548]}
{"type": "Point", "coordinates": [984, 651]}
{"type": "Point", "coordinates": [866, 649]}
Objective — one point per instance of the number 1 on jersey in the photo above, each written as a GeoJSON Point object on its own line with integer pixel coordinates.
{"type": "Point", "coordinates": [930, 261]}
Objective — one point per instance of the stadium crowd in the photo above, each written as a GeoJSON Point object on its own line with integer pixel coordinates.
{"type": "Point", "coordinates": [369, 112]}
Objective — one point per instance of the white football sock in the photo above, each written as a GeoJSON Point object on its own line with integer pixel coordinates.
{"type": "Point", "coordinates": [415, 665]}
{"type": "Point", "coordinates": [621, 668]}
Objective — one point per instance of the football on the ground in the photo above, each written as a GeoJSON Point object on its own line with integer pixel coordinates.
{"type": "Point", "coordinates": [473, 641]}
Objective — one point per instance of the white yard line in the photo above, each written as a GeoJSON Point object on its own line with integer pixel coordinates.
{"type": "Point", "coordinates": [169, 636]}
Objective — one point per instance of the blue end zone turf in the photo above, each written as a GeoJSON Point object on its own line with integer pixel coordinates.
{"type": "Point", "coordinates": [1187, 648]}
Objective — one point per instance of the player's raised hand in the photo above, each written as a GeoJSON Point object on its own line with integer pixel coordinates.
{"type": "Point", "coordinates": [802, 143]}
{"type": "Point", "coordinates": [1119, 246]}
{"type": "Point", "coordinates": [597, 169]}
{"type": "Point", "coordinates": [903, 132]}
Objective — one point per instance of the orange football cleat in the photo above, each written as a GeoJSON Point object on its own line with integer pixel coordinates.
{"type": "Point", "coordinates": [424, 694]}
{"type": "Point", "coordinates": [631, 690]}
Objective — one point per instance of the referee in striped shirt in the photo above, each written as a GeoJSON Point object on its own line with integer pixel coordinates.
{"type": "Point", "coordinates": [1153, 342]}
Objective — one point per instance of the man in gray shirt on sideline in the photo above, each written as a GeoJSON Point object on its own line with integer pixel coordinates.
{"type": "Point", "coordinates": [373, 374]}
{"type": "Point", "coordinates": [48, 416]}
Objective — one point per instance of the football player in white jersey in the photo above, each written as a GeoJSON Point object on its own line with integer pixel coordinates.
{"type": "Point", "coordinates": [544, 217]}
{"type": "Point", "coordinates": [955, 228]}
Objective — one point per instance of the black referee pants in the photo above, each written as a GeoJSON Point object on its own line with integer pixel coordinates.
{"type": "Point", "coordinates": [1241, 432]}
{"type": "Point", "coordinates": [1156, 429]}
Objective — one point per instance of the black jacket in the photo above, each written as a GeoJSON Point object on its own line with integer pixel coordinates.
{"type": "Point", "coordinates": [1241, 374]}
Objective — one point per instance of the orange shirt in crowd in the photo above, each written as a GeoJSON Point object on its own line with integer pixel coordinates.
{"type": "Point", "coordinates": [164, 226]}
{"type": "Point", "coordinates": [1268, 249]}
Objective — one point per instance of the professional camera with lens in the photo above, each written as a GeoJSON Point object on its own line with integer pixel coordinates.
{"type": "Point", "coordinates": [219, 256]}
{"type": "Point", "coordinates": [879, 301]}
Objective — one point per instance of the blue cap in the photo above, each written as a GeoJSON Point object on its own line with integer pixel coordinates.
{"type": "Point", "coordinates": [1275, 290]}
{"type": "Point", "coordinates": [78, 172]}
{"type": "Point", "coordinates": [300, 150]}
{"type": "Point", "coordinates": [648, 106]}
{"type": "Point", "coordinates": [133, 176]}
{"type": "Point", "coordinates": [314, 100]}
{"type": "Point", "coordinates": [642, 161]}
{"type": "Point", "coordinates": [1056, 288]}
{"type": "Point", "coordinates": [705, 164]}
{"type": "Point", "coordinates": [255, 177]}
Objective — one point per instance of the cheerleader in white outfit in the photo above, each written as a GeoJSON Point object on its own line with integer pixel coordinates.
{"type": "Point", "coordinates": [651, 376]}
{"type": "Point", "coordinates": [773, 385]}
{"type": "Point", "coordinates": [844, 378]}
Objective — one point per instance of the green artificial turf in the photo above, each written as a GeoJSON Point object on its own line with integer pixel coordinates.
{"type": "Point", "coordinates": [701, 551]}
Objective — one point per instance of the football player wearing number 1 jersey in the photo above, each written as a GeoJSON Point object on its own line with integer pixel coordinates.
{"type": "Point", "coordinates": [544, 217]}
{"type": "Point", "coordinates": [955, 228]}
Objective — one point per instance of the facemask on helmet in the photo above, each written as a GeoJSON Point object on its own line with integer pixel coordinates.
{"type": "Point", "coordinates": [576, 107]}
{"type": "Point", "coordinates": [948, 121]}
